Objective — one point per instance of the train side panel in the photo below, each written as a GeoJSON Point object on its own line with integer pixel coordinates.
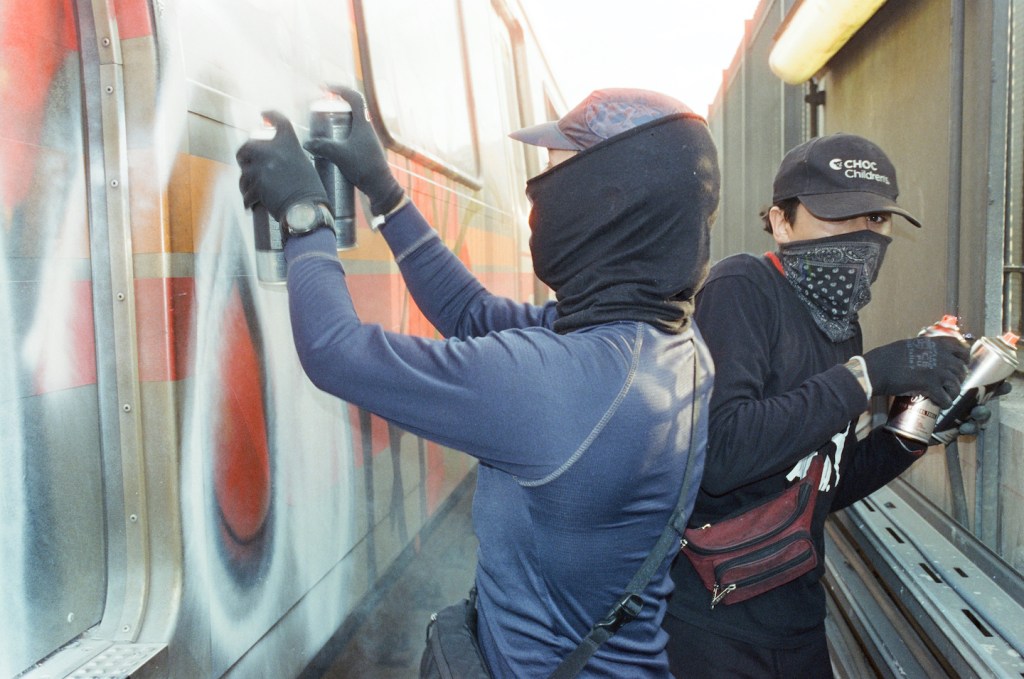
{"type": "Point", "coordinates": [181, 493]}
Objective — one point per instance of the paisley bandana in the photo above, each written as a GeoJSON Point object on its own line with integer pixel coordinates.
{"type": "Point", "coordinates": [833, 276]}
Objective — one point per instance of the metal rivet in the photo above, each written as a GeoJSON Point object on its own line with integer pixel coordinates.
{"type": "Point", "coordinates": [105, 42]}
{"type": "Point", "coordinates": [126, 628]}
{"type": "Point", "coordinates": [127, 407]}
{"type": "Point", "coordinates": [114, 183]}
{"type": "Point", "coordinates": [133, 518]}
{"type": "Point", "coordinates": [120, 297]}
{"type": "Point", "coordinates": [71, 617]}
{"type": "Point", "coordinates": [109, 89]}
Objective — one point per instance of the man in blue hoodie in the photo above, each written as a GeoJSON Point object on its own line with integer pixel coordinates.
{"type": "Point", "coordinates": [583, 412]}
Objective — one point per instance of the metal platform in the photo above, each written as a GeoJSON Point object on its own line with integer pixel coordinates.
{"type": "Point", "coordinates": [94, 659]}
{"type": "Point", "coordinates": [913, 595]}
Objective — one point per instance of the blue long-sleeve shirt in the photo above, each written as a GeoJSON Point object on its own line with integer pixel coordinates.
{"type": "Point", "coordinates": [582, 437]}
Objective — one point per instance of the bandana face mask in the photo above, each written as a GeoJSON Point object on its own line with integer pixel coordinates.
{"type": "Point", "coordinates": [833, 276]}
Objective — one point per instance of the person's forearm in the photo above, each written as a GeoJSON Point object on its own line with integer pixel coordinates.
{"type": "Point", "coordinates": [447, 293]}
{"type": "Point", "coordinates": [438, 281]}
{"type": "Point", "coordinates": [877, 460]}
{"type": "Point", "coordinates": [754, 438]}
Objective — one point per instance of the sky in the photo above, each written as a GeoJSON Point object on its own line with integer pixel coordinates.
{"type": "Point", "coordinates": [678, 47]}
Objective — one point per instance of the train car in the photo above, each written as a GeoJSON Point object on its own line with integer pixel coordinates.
{"type": "Point", "coordinates": [177, 499]}
{"type": "Point", "coordinates": [925, 577]}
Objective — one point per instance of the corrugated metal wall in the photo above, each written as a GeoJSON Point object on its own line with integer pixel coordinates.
{"type": "Point", "coordinates": [755, 119]}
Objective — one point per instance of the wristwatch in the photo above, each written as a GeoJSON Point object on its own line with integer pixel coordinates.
{"type": "Point", "coordinates": [302, 218]}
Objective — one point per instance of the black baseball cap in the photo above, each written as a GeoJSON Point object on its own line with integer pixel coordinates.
{"type": "Point", "coordinates": [839, 176]}
{"type": "Point", "coordinates": [602, 115]}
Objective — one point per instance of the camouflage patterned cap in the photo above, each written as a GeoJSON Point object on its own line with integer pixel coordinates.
{"type": "Point", "coordinates": [602, 115]}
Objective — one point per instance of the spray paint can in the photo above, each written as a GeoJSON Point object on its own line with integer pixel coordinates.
{"type": "Point", "coordinates": [331, 118]}
{"type": "Point", "coordinates": [993, 359]}
{"type": "Point", "coordinates": [270, 263]}
{"type": "Point", "coordinates": [914, 416]}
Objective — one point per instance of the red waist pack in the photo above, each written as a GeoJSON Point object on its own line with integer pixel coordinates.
{"type": "Point", "coordinates": [759, 549]}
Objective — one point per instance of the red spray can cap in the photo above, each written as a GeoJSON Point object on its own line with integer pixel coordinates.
{"type": "Point", "coordinates": [947, 326]}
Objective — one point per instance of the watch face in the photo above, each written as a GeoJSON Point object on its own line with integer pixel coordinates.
{"type": "Point", "coordinates": [302, 217]}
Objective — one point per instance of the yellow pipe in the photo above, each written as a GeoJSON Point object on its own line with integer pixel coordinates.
{"type": "Point", "coordinates": [813, 32]}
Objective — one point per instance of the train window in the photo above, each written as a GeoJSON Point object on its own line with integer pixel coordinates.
{"type": "Point", "coordinates": [419, 92]}
{"type": "Point", "coordinates": [53, 559]}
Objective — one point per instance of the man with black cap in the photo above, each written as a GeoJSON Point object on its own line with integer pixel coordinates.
{"type": "Point", "coordinates": [584, 412]}
{"type": "Point", "coordinates": [791, 380]}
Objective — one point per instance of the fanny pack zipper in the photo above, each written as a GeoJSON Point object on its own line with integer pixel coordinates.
{"type": "Point", "coordinates": [717, 594]}
{"type": "Point", "coordinates": [801, 504]}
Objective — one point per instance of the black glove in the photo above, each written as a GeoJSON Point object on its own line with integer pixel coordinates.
{"type": "Point", "coordinates": [276, 172]}
{"type": "Point", "coordinates": [977, 419]}
{"type": "Point", "coordinates": [933, 366]}
{"type": "Point", "coordinates": [360, 156]}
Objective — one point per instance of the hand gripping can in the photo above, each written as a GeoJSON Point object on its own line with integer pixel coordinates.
{"type": "Point", "coordinates": [993, 359]}
{"type": "Point", "coordinates": [331, 118]}
{"type": "Point", "coordinates": [914, 416]}
{"type": "Point", "coordinates": [270, 263]}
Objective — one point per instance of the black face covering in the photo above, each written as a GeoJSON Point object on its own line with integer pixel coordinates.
{"type": "Point", "coordinates": [620, 231]}
{"type": "Point", "coordinates": [833, 276]}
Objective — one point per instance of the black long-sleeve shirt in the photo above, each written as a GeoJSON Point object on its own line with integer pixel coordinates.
{"type": "Point", "coordinates": [781, 393]}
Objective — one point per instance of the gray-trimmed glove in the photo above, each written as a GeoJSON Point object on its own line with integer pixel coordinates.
{"type": "Point", "coordinates": [933, 366]}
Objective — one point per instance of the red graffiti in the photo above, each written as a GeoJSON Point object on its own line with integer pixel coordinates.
{"type": "Point", "coordinates": [242, 478]}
